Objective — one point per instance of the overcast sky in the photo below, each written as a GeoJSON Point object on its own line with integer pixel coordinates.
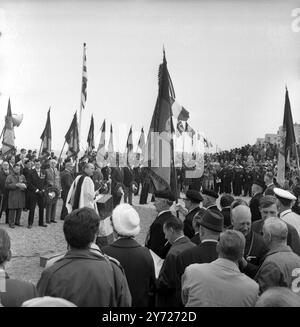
{"type": "Point", "coordinates": [229, 62]}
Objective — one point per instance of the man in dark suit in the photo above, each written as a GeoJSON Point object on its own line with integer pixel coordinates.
{"type": "Point", "coordinates": [134, 258]}
{"type": "Point", "coordinates": [35, 193]}
{"type": "Point", "coordinates": [191, 201]}
{"type": "Point", "coordinates": [225, 203]}
{"type": "Point", "coordinates": [117, 186]}
{"type": "Point", "coordinates": [128, 179]}
{"type": "Point", "coordinates": [167, 279]}
{"type": "Point", "coordinates": [258, 188]}
{"type": "Point", "coordinates": [16, 291]}
{"type": "Point", "coordinates": [268, 179]}
{"type": "Point", "coordinates": [67, 179]}
{"type": "Point", "coordinates": [211, 225]}
{"type": "Point", "coordinates": [155, 240]}
{"type": "Point", "coordinates": [209, 199]}
{"type": "Point", "coordinates": [255, 247]}
{"type": "Point", "coordinates": [268, 208]}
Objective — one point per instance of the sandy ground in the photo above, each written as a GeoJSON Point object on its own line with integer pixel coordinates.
{"type": "Point", "coordinates": [28, 244]}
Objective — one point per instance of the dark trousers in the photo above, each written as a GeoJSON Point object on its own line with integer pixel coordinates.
{"type": "Point", "coordinates": [33, 200]}
{"type": "Point", "coordinates": [116, 200]}
{"type": "Point", "coordinates": [51, 211]}
{"type": "Point", "coordinates": [144, 193]}
{"type": "Point", "coordinates": [14, 216]}
{"type": "Point", "coordinates": [127, 195]}
{"type": "Point", "coordinates": [64, 210]}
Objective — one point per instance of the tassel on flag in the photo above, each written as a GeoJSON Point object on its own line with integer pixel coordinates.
{"type": "Point", "coordinates": [46, 137]}
{"type": "Point", "coordinates": [72, 138]}
{"type": "Point", "coordinates": [90, 138]}
{"type": "Point", "coordinates": [84, 79]}
{"type": "Point", "coordinates": [8, 143]}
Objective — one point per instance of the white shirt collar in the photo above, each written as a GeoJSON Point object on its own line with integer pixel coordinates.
{"type": "Point", "coordinates": [163, 212]}
{"type": "Point", "coordinates": [209, 240]}
{"type": "Point", "coordinates": [178, 238]}
{"type": "Point", "coordinates": [283, 213]}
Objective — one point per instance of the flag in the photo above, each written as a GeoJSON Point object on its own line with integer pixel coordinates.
{"type": "Point", "coordinates": [141, 146]}
{"type": "Point", "coordinates": [101, 152]}
{"type": "Point", "coordinates": [111, 141]}
{"type": "Point", "coordinates": [129, 147]}
{"type": "Point", "coordinates": [180, 128]}
{"type": "Point", "coordinates": [72, 138]}
{"type": "Point", "coordinates": [159, 158]}
{"type": "Point", "coordinates": [287, 141]}
{"type": "Point", "coordinates": [46, 136]}
{"type": "Point", "coordinates": [90, 138]}
{"type": "Point", "coordinates": [205, 142]}
{"type": "Point", "coordinates": [179, 112]}
{"type": "Point", "coordinates": [84, 79]}
{"type": "Point", "coordinates": [8, 143]}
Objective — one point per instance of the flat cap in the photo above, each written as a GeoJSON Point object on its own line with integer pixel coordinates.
{"type": "Point", "coordinates": [165, 195]}
{"type": "Point", "coordinates": [210, 193]}
{"type": "Point", "coordinates": [280, 193]}
{"type": "Point", "coordinates": [194, 196]}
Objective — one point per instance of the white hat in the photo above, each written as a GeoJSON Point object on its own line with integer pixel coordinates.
{"type": "Point", "coordinates": [126, 220]}
{"type": "Point", "coordinates": [48, 301]}
{"type": "Point", "coordinates": [284, 194]}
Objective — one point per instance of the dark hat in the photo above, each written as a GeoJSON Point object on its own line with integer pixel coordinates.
{"type": "Point", "coordinates": [194, 196]}
{"type": "Point", "coordinates": [210, 193]}
{"type": "Point", "coordinates": [164, 195]}
{"type": "Point", "coordinates": [213, 220]}
{"type": "Point", "coordinates": [260, 183]}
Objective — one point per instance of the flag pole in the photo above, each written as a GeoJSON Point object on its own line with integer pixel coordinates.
{"type": "Point", "coordinates": [61, 151]}
{"type": "Point", "coordinates": [80, 111]}
{"type": "Point", "coordinates": [40, 149]}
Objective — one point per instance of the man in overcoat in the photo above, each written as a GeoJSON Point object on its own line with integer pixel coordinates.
{"type": "Point", "coordinates": [16, 184]}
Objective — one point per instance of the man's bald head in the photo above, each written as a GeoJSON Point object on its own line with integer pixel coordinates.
{"type": "Point", "coordinates": [241, 219]}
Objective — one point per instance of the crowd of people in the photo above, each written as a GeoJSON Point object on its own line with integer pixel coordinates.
{"type": "Point", "coordinates": [213, 248]}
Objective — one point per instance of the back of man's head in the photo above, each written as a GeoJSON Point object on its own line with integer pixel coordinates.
{"type": "Point", "coordinates": [275, 229]}
{"type": "Point", "coordinates": [81, 227]}
{"type": "Point", "coordinates": [226, 200]}
{"type": "Point", "coordinates": [4, 246]}
{"type": "Point", "coordinates": [278, 297]}
{"type": "Point", "coordinates": [175, 223]}
{"type": "Point", "coordinates": [231, 245]}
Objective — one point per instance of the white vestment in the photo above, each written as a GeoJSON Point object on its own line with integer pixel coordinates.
{"type": "Point", "coordinates": [87, 194]}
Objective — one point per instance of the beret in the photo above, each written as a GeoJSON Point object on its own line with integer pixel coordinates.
{"type": "Point", "coordinates": [210, 193]}
{"type": "Point", "coordinates": [194, 195]}
{"type": "Point", "coordinates": [260, 183]}
{"type": "Point", "coordinates": [166, 194]}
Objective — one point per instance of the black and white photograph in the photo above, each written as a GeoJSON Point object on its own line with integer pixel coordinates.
{"type": "Point", "coordinates": [149, 156]}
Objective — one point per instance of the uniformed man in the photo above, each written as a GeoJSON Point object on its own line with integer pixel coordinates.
{"type": "Point", "coordinates": [285, 201]}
